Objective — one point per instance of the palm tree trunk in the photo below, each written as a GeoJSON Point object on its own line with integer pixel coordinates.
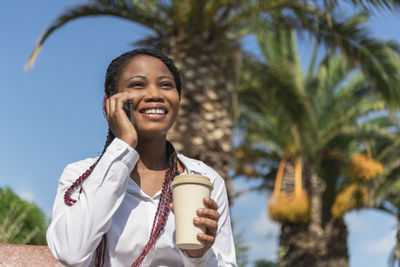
{"type": "Point", "coordinates": [204, 128]}
{"type": "Point", "coordinates": [322, 242]}
{"type": "Point", "coordinates": [300, 243]}
{"type": "Point", "coordinates": [335, 238]}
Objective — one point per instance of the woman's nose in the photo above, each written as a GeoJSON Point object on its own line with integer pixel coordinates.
{"type": "Point", "coordinates": [153, 93]}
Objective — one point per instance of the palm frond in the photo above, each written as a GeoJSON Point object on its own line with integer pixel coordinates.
{"type": "Point", "coordinates": [253, 11]}
{"type": "Point", "coordinates": [128, 12]}
{"type": "Point", "coordinates": [372, 5]}
{"type": "Point", "coordinates": [367, 131]}
{"type": "Point", "coordinates": [388, 189]}
{"type": "Point", "coordinates": [341, 120]}
{"type": "Point", "coordinates": [372, 56]}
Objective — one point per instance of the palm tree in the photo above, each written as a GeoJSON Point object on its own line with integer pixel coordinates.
{"type": "Point", "coordinates": [381, 140]}
{"type": "Point", "coordinates": [377, 137]}
{"type": "Point", "coordinates": [296, 117]}
{"type": "Point", "coordinates": [203, 37]}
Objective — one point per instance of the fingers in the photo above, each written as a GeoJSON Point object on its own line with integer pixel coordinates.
{"type": "Point", "coordinates": [114, 104]}
{"type": "Point", "coordinates": [107, 105]}
{"type": "Point", "coordinates": [208, 213]}
{"type": "Point", "coordinates": [208, 240]}
{"type": "Point", "coordinates": [111, 105]}
{"type": "Point", "coordinates": [208, 218]}
{"type": "Point", "coordinates": [210, 203]}
{"type": "Point", "coordinates": [171, 206]}
{"type": "Point", "coordinates": [211, 225]}
{"type": "Point", "coordinates": [118, 120]}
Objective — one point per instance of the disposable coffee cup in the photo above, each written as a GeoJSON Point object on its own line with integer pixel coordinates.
{"type": "Point", "coordinates": [189, 190]}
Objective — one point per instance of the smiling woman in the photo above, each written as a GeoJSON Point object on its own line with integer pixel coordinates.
{"type": "Point", "coordinates": [149, 84]}
{"type": "Point", "coordinates": [121, 214]}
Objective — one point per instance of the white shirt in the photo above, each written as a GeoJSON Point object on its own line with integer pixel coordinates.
{"type": "Point", "coordinates": [111, 203]}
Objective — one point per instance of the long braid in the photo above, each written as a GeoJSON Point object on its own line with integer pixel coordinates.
{"type": "Point", "coordinates": [162, 212]}
{"type": "Point", "coordinates": [101, 248]}
{"type": "Point", "coordinates": [114, 70]}
{"type": "Point", "coordinates": [67, 195]}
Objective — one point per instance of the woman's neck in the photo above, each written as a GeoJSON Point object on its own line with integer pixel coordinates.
{"type": "Point", "coordinates": [153, 154]}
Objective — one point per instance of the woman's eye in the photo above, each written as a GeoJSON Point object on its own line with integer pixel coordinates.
{"type": "Point", "coordinates": [136, 84]}
{"type": "Point", "coordinates": [167, 84]}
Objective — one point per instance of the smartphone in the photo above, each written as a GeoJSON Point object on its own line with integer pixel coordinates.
{"type": "Point", "coordinates": [128, 107]}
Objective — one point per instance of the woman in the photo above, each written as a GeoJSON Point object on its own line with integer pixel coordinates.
{"type": "Point", "coordinates": [114, 210]}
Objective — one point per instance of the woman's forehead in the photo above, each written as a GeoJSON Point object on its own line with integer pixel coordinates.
{"type": "Point", "coordinates": [144, 65]}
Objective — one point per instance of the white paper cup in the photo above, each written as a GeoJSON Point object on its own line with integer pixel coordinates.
{"type": "Point", "coordinates": [189, 190]}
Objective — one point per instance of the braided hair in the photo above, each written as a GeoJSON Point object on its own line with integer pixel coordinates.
{"type": "Point", "coordinates": [114, 71]}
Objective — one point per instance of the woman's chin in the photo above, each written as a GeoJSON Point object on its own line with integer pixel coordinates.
{"type": "Point", "coordinates": [151, 134]}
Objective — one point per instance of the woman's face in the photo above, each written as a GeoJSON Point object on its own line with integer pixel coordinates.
{"type": "Point", "coordinates": [154, 94]}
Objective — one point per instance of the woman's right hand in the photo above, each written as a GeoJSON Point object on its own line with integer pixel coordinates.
{"type": "Point", "coordinates": [118, 121]}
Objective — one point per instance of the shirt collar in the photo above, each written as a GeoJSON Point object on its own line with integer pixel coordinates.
{"type": "Point", "coordinates": [191, 166]}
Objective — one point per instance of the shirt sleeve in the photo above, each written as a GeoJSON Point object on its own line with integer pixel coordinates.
{"type": "Point", "coordinates": [75, 231]}
{"type": "Point", "coordinates": [222, 253]}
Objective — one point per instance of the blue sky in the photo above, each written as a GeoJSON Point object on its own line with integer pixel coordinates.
{"type": "Point", "coordinates": [51, 116]}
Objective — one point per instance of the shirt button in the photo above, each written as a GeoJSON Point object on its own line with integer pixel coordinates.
{"type": "Point", "coordinates": [118, 147]}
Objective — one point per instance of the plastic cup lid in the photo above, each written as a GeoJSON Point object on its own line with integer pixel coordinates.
{"type": "Point", "coordinates": [191, 179]}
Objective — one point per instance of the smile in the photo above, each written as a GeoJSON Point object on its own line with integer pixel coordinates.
{"type": "Point", "coordinates": [155, 111]}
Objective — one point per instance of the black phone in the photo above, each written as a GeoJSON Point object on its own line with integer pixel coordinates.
{"type": "Point", "coordinates": [128, 108]}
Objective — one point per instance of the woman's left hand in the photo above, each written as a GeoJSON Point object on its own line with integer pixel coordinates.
{"type": "Point", "coordinates": [208, 218]}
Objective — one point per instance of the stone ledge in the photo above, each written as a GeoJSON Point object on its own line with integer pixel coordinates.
{"type": "Point", "coordinates": [26, 256]}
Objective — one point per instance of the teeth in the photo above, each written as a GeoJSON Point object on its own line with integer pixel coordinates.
{"type": "Point", "coordinates": [154, 111]}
